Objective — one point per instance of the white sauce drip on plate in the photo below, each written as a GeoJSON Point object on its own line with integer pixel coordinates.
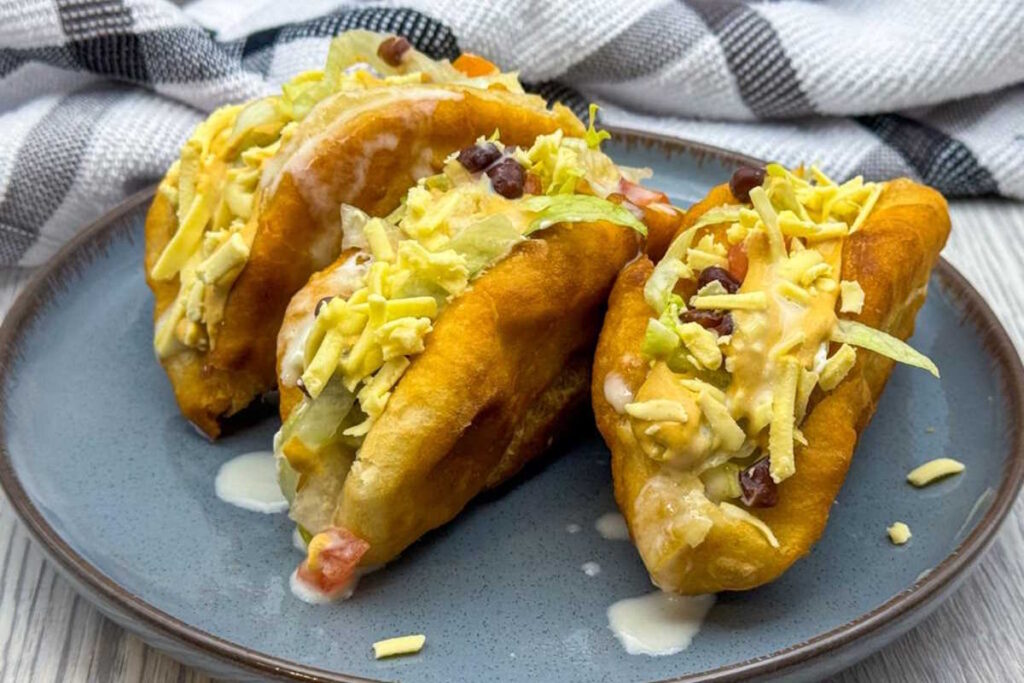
{"type": "Point", "coordinates": [591, 568]}
{"type": "Point", "coordinates": [314, 596]}
{"type": "Point", "coordinates": [612, 527]}
{"type": "Point", "coordinates": [250, 482]}
{"type": "Point", "coordinates": [297, 541]}
{"type": "Point", "coordinates": [616, 392]}
{"type": "Point", "coordinates": [659, 623]}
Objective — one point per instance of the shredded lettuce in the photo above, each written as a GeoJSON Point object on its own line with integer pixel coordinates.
{"type": "Point", "coordinates": [857, 334]}
{"type": "Point", "coordinates": [317, 422]}
{"type": "Point", "coordinates": [485, 242]}
{"type": "Point", "coordinates": [593, 136]}
{"type": "Point", "coordinates": [360, 47]}
{"type": "Point", "coordinates": [729, 213]}
{"type": "Point", "coordinates": [660, 341]}
{"type": "Point", "coordinates": [287, 479]}
{"type": "Point", "coordinates": [569, 208]}
{"type": "Point", "coordinates": [662, 281]}
{"type": "Point", "coordinates": [508, 80]}
{"type": "Point", "coordinates": [680, 244]}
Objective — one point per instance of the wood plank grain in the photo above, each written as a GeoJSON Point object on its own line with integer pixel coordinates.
{"type": "Point", "coordinates": [47, 633]}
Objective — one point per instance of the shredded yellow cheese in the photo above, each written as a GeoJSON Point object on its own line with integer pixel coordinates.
{"type": "Point", "coordinates": [657, 410]}
{"type": "Point", "coordinates": [837, 367]}
{"type": "Point", "coordinates": [899, 533]}
{"type": "Point", "coordinates": [780, 434]}
{"type": "Point", "coordinates": [933, 470]}
{"type": "Point", "coordinates": [722, 423]}
{"type": "Point", "coordinates": [805, 386]}
{"type": "Point", "coordinates": [851, 297]}
{"type": "Point", "coordinates": [702, 344]}
{"type": "Point", "coordinates": [697, 386]}
{"type": "Point", "coordinates": [763, 206]}
{"type": "Point", "coordinates": [403, 645]}
{"type": "Point", "coordinates": [794, 293]}
{"type": "Point", "coordinates": [750, 301]}
{"type": "Point", "coordinates": [866, 209]}
{"type": "Point", "coordinates": [699, 260]}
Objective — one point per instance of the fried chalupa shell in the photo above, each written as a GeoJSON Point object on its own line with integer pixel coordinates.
{"type": "Point", "coordinates": [891, 257]}
{"type": "Point", "coordinates": [506, 361]}
{"type": "Point", "coordinates": [368, 160]}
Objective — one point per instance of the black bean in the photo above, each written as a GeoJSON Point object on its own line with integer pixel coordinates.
{"type": "Point", "coordinates": [745, 179]}
{"type": "Point", "coordinates": [759, 489]}
{"type": "Point", "coordinates": [725, 327]}
{"type": "Point", "coordinates": [478, 157]}
{"type": "Point", "coordinates": [710, 320]}
{"type": "Point", "coordinates": [320, 304]}
{"type": "Point", "coordinates": [716, 274]}
{"type": "Point", "coordinates": [392, 49]}
{"type": "Point", "coordinates": [507, 178]}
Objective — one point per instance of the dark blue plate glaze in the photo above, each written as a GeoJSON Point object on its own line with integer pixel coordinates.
{"type": "Point", "coordinates": [119, 491]}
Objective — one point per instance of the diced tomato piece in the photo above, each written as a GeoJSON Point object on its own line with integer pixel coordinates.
{"type": "Point", "coordinates": [639, 195]}
{"type": "Point", "coordinates": [335, 561]}
{"type": "Point", "coordinates": [532, 185]}
{"type": "Point", "coordinates": [738, 261]}
{"type": "Point", "coordinates": [474, 65]}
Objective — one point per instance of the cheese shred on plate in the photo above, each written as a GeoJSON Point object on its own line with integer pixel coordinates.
{"type": "Point", "coordinates": [735, 355]}
{"type": "Point", "coordinates": [899, 533]}
{"type": "Point", "coordinates": [403, 645]}
{"type": "Point", "coordinates": [933, 470]}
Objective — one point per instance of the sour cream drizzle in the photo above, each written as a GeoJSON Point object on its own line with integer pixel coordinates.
{"type": "Point", "coordinates": [616, 392]}
{"type": "Point", "coordinates": [659, 623]}
{"type": "Point", "coordinates": [612, 527]}
{"type": "Point", "coordinates": [314, 596]}
{"type": "Point", "coordinates": [249, 481]}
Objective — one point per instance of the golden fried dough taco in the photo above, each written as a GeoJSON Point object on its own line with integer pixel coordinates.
{"type": "Point", "coordinates": [437, 354]}
{"type": "Point", "coordinates": [731, 381]}
{"type": "Point", "coordinates": [250, 209]}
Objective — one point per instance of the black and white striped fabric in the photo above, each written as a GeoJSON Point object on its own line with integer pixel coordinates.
{"type": "Point", "coordinates": [97, 97]}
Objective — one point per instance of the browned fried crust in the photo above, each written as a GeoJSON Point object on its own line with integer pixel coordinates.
{"type": "Point", "coordinates": [891, 257]}
{"type": "Point", "coordinates": [215, 384]}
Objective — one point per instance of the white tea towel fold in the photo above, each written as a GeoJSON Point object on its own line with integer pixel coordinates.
{"type": "Point", "coordinates": [97, 97]}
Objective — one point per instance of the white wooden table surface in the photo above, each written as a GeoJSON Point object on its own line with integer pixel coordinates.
{"type": "Point", "coordinates": [48, 633]}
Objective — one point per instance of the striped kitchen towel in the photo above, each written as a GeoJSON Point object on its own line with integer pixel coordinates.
{"type": "Point", "coordinates": [97, 97]}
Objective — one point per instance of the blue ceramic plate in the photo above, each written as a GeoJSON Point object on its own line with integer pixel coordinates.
{"type": "Point", "coordinates": [119, 491]}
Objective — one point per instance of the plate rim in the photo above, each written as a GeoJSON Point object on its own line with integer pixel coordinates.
{"type": "Point", "coordinates": [133, 608]}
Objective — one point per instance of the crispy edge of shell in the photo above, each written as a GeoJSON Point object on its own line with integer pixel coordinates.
{"type": "Point", "coordinates": [215, 384]}
{"type": "Point", "coordinates": [892, 257]}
